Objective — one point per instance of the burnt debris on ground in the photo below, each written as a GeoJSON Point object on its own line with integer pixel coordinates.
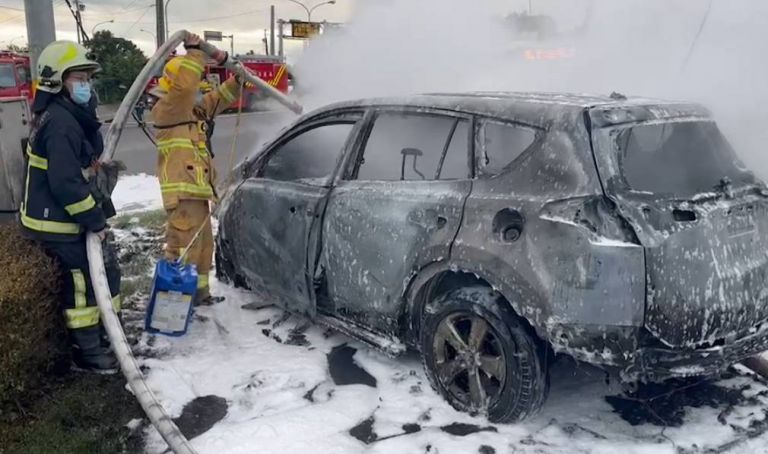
{"type": "Point", "coordinates": [344, 370]}
{"type": "Point", "coordinates": [667, 404]}
{"type": "Point", "coordinates": [199, 415]}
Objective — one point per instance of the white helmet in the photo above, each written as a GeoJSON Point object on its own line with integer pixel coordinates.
{"type": "Point", "coordinates": [58, 58]}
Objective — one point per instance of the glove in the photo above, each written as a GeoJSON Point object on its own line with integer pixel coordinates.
{"type": "Point", "coordinates": [107, 176]}
{"type": "Point", "coordinates": [102, 181]}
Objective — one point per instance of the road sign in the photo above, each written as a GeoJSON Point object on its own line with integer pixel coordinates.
{"type": "Point", "coordinates": [212, 36]}
{"type": "Point", "coordinates": [301, 29]}
{"type": "Point", "coordinates": [333, 26]}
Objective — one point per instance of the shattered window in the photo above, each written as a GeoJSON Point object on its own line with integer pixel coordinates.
{"type": "Point", "coordinates": [310, 156]}
{"type": "Point", "coordinates": [412, 147]}
{"type": "Point", "coordinates": [502, 144]}
{"type": "Point", "coordinates": [684, 158]}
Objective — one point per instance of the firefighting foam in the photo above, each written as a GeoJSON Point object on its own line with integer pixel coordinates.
{"type": "Point", "coordinates": [675, 49]}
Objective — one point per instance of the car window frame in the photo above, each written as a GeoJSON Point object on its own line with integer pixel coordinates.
{"type": "Point", "coordinates": [352, 168]}
{"type": "Point", "coordinates": [255, 167]}
{"type": "Point", "coordinates": [541, 134]}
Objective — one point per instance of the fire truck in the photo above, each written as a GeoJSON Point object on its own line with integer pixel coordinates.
{"type": "Point", "coordinates": [271, 69]}
{"type": "Point", "coordinates": [15, 75]}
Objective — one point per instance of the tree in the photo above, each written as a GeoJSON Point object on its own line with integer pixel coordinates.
{"type": "Point", "coordinates": [121, 61]}
{"type": "Point", "coordinates": [16, 48]}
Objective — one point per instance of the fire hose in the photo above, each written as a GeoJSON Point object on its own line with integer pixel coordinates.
{"type": "Point", "coordinates": [176, 441]}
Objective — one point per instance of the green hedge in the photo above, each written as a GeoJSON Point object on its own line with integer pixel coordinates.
{"type": "Point", "coordinates": [31, 327]}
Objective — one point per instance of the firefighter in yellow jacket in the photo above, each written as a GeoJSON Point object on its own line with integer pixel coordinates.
{"type": "Point", "coordinates": [184, 121]}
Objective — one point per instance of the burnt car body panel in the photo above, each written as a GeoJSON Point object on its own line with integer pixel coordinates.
{"type": "Point", "coordinates": [706, 249]}
{"type": "Point", "coordinates": [377, 236]}
{"type": "Point", "coordinates": [605, 274]}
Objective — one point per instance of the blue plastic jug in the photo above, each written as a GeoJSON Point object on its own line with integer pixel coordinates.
{"type": "Point", "coordinates": [170, 308]}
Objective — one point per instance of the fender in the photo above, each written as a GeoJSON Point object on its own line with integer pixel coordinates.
{"type": "Point", "coordinates": [522, 298]}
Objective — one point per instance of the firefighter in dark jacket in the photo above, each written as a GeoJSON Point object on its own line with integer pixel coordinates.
{"type": "Point", "coordinates": [62, 202]}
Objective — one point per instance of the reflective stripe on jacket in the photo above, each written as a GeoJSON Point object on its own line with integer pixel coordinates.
{"type": "Point", "coordinates": [58, 205]}
{"type": "Point", "coordinates": [184, 165]}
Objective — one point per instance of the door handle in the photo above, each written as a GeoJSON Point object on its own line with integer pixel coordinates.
{"type": "Point", "coordinates": [302, 209]}
{"type": "Point", "coordinates": [442, 221]}
{"type": "Point", "coordinates": [427, 219]}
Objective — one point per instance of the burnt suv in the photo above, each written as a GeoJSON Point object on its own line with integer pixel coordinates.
{"type": "Point", "coordinates": [492, 230]}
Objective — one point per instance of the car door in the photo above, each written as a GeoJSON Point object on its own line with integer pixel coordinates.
{"type": "Point", "coordinates": [397, 208]}
{"type": "Point", "coordinates": [282, 202]}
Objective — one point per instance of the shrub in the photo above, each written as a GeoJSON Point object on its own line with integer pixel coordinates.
{"type": "Point", "coordinates": [31, 327]}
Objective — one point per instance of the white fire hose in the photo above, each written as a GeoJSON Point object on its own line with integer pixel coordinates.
{"type": "Point", "coordinates": [130, 368]}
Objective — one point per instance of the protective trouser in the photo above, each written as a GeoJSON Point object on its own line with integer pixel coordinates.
{"type": "Point", "coordinates": [184, 221]}
{"type": "Point", "coordinates": [79, 302]}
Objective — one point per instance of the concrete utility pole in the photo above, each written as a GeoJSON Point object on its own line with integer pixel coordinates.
{"type": "Point", "coordinates": [78, 22]}
{"type": "Point", "coordinates": [272, 30]}
{"type": "Point", "coordinates": [231, 44]}
{"type": "Point", "coordinates": [280, 31]}
{"type": "Point", "coordinates": [160, 20]}
{"type": "Point", "coordinates": [167, 26]}
{"type": "Point", "coordinates": [41, 28]}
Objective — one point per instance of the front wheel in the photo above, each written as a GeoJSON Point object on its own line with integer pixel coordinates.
{"type": "Point", "coordinates": [481, 358]}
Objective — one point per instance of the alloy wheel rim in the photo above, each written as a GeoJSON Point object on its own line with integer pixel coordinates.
{"type": "Point", "coordinates": [470, 363]}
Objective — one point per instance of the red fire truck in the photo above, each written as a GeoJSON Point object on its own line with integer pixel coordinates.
{"type": "Point", "coordinates": [15, 75]}
{"type": "Point", "coordinates": [271, 69]}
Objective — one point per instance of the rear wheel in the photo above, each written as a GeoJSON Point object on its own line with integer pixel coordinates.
{"type": "Point", "coordinates": [481, 358]}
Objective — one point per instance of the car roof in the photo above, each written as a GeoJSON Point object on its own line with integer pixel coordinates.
{"type": "Point", "coordinates": [528, 107]}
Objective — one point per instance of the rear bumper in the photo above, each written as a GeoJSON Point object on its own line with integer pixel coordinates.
{"type": "Point", "coordinates": [658, 364]}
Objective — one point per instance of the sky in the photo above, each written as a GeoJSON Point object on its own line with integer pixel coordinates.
{"type": "Point", "coordinates": [397, 47]}
{"type": "Point", "coordinates": [246, 19]}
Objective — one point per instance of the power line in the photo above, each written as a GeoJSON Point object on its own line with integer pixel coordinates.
{"type": "Point", "coordinates": [12, 18]}
{"type": "Point", "coordinates": [245, 13]}
{"type": "Point", "coordinates": [111, 15]}
{"type": "Point", "coordinates": [698, 35]}
{"type": "Point", "coordinates": [125, 8]}
{"type": "Point", "coordinates": [11, 8]}
{"type": "Point", "coordinates": [20, 16]}
{"type": "Point", "coordinates": [140, 18]}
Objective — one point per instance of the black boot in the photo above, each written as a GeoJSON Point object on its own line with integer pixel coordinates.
{"type": "Point", "coordinates": [203, 297]}
{"type": "Point", "coordinates": [89, 354]}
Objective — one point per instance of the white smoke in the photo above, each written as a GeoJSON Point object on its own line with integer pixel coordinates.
{"type": "Point", "coordinates": [636, 47]}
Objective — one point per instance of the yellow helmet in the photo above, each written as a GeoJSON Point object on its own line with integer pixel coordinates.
{"type": "Point", "coordinates": [58, 58]}
{"type": "Point", "coordinates": [170, 71]}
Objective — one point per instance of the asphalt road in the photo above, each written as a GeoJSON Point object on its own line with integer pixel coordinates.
{"type": "Point", "coordinates": [140, 156]}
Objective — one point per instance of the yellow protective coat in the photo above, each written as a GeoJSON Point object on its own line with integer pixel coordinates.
{"type": "Point", "coordinates": [185, 165]}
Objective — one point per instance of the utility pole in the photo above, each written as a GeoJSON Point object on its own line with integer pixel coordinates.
{"type": "Point", "coordinates": [280, 31]}
{"type": "Point", "coordinates": [78, 20]}
{"type": "Point", "coordinates": [41, 28]}
{"type": "Point", "coordinates": [160, 20]}
{"type": "Point", "coordinates": [231, 44]}
{"type": "Point", "coordinates": [272, 30]}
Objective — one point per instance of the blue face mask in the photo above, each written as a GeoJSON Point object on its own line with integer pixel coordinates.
{"type": "Point", "coordinates": [81, 93]}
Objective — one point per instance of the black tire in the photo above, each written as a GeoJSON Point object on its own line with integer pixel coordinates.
{"type": "Point", "coordinates": [504, 358]}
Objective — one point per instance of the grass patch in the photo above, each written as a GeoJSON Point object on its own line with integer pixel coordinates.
{"type": "Point", "coordinates": [77, 413]}
{"type": "Point", "coordinates": [137, 285]}
{"type": "Point", "coordinates": [151, 220]}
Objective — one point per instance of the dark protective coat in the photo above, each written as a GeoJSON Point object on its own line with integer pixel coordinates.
{"type": "Point", "coordinates": [58, 204]}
